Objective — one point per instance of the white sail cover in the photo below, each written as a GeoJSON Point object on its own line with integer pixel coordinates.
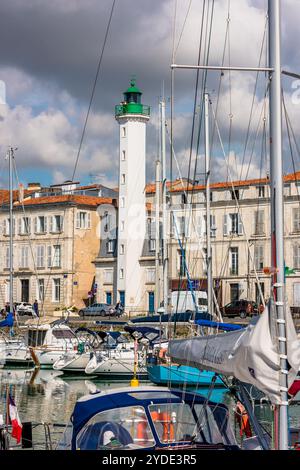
{"type": "Point", "coordinates": [251, 354]}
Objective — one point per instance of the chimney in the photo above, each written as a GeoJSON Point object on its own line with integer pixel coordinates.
{"type": "Point", "coordinates": [34, 186]}
{"type": "Point", "coordinates": [21, 192]}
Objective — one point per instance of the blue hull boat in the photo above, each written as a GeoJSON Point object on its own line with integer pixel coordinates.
{"type": "Point", "coordinates": [164, 374]}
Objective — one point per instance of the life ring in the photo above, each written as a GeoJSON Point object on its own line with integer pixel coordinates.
{"type": "Point", "coordinates": [168, 426]}
{"type": "Point", "coordinates": [242, 418]}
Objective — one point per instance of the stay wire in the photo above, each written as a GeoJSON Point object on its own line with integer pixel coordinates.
{"type": "Point", "coordinates": [93, 90]}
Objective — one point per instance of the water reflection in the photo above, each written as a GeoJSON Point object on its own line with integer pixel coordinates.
{"type": "Point", "coordinates": [49, 396]}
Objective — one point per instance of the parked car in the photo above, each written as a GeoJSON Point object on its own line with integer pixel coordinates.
{"type": "Point", "coordinates": [24, 308]}
{"type": "Point", "coordinates": [102, 310]}
{"type": "Point", "coordinates": [241, 308]}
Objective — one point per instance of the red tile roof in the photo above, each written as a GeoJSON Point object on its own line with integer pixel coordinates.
{"type": "Point", "coordinates": [72, 198]}
{"type": "Point", "coordinates": [178, 187]}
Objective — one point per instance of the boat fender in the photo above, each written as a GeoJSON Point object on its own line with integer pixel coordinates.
{"type": "Point", "coordinates": [242, 418]}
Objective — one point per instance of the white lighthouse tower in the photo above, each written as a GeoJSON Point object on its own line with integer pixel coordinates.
{"type": "Point", "coordinates": [132, 117]}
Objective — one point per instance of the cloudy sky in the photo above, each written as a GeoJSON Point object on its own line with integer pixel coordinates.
{"type": "Point", "coordinates": [48, 58]}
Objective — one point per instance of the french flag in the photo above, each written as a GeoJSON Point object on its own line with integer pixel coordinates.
{"type": "Point", "coordinates": [15, 420]}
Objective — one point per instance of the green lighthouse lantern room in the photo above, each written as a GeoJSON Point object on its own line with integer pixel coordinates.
{"type": "Point", "coordinates": [132, 102]}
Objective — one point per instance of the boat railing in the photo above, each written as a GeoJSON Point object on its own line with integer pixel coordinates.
{"type": "Point", "coordinates": [47, 440]}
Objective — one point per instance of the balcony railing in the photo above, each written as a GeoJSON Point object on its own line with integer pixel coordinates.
{"type": "Point", "coordinates": [132, 108]}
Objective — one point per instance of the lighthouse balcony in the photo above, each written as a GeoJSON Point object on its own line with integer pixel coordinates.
{"type": "Point", "coordinates": [132, 108]}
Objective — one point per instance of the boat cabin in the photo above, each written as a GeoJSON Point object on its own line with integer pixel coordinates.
{"type": "Point", "coordinates": [147, 418]}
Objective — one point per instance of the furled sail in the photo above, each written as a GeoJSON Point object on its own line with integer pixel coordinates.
{"type": "Point", "coordinates": [250, 354]}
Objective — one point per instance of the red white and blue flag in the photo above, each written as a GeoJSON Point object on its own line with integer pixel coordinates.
{"type": "Point", "coordinates": [15, 420]}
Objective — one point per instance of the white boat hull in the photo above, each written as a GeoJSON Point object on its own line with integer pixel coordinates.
{"type": "Point", "coordinates": [72, 362]}
{"type": "Point", "coordinates": [116, 366]}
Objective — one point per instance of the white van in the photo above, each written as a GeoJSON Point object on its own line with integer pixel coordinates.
{"type": "Point", "coordinates": [182, 301]}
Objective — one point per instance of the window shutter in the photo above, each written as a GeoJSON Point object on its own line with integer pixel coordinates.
{"type": "Point", "coordinates": [51, 223]}
{"type": "Point", "coordinates": [35, 225]}
{"type": "Point", "coordinates": [296, 220]}
{"type": "Point", "coordinates": [29, 225]}
{"type": "Point", "coordinates": [240, 225]}
{"type": "Point", "coordinates": [213, 226]}
{"type": "Point", "coordinates": [61, 218]}
{"type": "Point", "coordinates": [78, 219]}
{"type": "Point", "coordinates": [89, 220]}
{"type": "Point", "coordinates": [45, 224]}
{"type": "Point", "coordinates": [296, 256]}
{"type": "Point", "coordinates": [4, 227]}
{"type": "Point", "coordinates": [225, 224]}
{"type": "Point", "coordinates": [20, 226]}
{"type": "Point", "coordinates": [49, 256]}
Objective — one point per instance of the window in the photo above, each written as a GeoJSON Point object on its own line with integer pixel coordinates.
{"type": "Point", "coordinates": [287, 190]}
{"type": "Point", "coordinates": [259, 222]}
{"type": "Point", "coordinates": [41, 289]}
{"type": "Point", "coordinates": [296, 219]}
{"type": "Point", "coordinates": [234, 219]}
{"type": "Point", "coordinates": [232, 224]}
{"type": "Point", "coordinates": [296, 256]}
{"type": "Point", "coordinates": [6, 226]}
{"type": "Point", "coordinates": [181, 263]}
{"type": "Point", "coordinates": [121, 273]}
{"type": "Point", "coordinates": [40, 256]}
{"type": "Point", "coordinates": [180, 424]}
{"type": "Point", "coordinates": [150, 275]}
{"type": "Point", "coordinates": [234, 261]}
{"type": "Point", "coordinates": [24, 226]}
{"type": "Point", "coordinates": [212, 225]}
{"type": "Point", "coordinates": [106, 221]}
{"type": "Point", "coordinates": [122, 226]}
{"type": "Point", "coordinates": [123, 201]}
{"type": "Point", "coordinates": [152, 244]}
{"type": "Point", "coordinates": [56, 223]}
{"type": "Point", "coordinates": [40, 224]}
{"type": "Point", "coordinates": [24, 257]}
{"type": "Point", "coordinates": [123, 178]}
{"type": "Point", "coordinates": [108, 276]}
{"type": "Point", "coordinates": [122, 249]}
{"type": "Point", "coordinates": [235, 194]}
{"type": "Point", "coordinates": [234, 292]}
{"type": "Point", "coordinates": [183, 198]}
{"type": "Point", "coordinates": [123, 156]}
{"type": "Point", "coordinates": [181, 228]}
{"type": "Point", "coordinates": [259, 257]}
{"type": "Point", "coordinates": [258, 298]}
{"type": "Point", "coordinates": [7, 257]}
{"type": "Point", "coordinates": [110, 246]}
{"type": "Point", "coordinates": [261, 191]}
{"type": "Point", "coordinates": [56, 263]}
{"type": "Point", "coordinates": [56, 290]}
{"type": "Point", "coordinates": [83, 220]}
{"type": "Point", "coordinates": [123, 131]}
{"type": "Point", "coordinates": [204, 264]}
{"type": "Point", "coordinates": [125, 420]}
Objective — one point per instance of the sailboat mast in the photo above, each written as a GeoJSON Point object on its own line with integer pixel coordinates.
{"type": "Point", "coordinates": [164, 205]}
{"type": "Point", "coordinates": [157, 234]}
{"type": "Point", "coordinates": [10, 158]}
{"type": "Point", "coordinates": [208, 218]}
{"type": "Point", "coordinates": [277, 224]}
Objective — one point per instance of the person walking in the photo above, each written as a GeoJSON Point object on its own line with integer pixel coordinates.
{"type": "Point", "coordinates": [36, 308]}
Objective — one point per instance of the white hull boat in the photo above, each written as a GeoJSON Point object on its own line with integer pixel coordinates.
{"type": "Point", "coordinates": [116, 364]}
{"type": "Point", "coordinates": [72, 362]}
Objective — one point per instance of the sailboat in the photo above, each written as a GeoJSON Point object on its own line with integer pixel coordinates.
{"type": "Point", "coordinates": [14, 350]}
{"type": "Point", "coordinates": [265, 354]}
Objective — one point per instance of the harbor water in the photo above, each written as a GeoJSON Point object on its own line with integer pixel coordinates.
{"type": "Point", "coordinates": [46, 398]}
